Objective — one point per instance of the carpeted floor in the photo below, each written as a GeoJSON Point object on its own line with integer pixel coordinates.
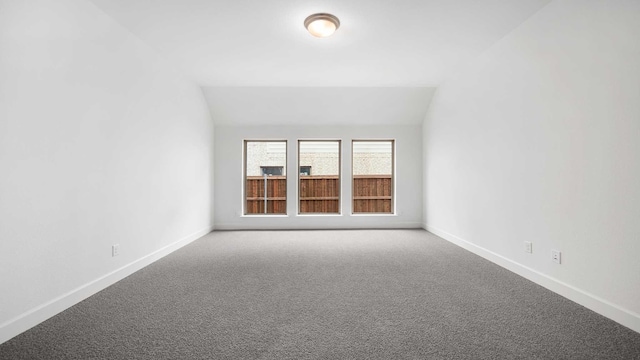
{"type": "Point", "coordinates": [355, 294]}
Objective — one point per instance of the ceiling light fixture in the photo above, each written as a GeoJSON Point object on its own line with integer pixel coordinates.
{"type": "Point", "coordinates": [321, 24]}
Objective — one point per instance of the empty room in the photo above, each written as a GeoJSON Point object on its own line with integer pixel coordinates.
{"type": "Point", "coordinates": [217, 179]}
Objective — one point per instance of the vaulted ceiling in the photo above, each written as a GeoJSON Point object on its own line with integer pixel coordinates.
{"type": "Point", "coordinates": [380, 43]}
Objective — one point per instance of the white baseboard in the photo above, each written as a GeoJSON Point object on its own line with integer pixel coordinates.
{"type": "Point", "coordinates": [262, 226]}
{"type": "Point", "coordinates": [601, 306]}
{"type": "Point", "coordinates": [45, 311]}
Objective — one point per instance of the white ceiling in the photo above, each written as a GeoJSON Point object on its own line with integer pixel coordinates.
{"type": "Point", "coordinates": [404, 43]}
{"type": "Point", "coordinates": [257, 64]}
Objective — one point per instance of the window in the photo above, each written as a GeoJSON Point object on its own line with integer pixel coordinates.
{"type": "Point", "coordinates": [271, 170]}
{"type": "Point", "coordinates": [265, 164]}
{"type": "Point", "coordinates": [373, 163]}
{"type": "Point", "coordinates": [320, 192]}
{"type": "Point", "coordinates": [305, 170]}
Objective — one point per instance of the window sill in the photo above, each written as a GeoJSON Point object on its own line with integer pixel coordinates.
{"type": "Point", "coordinates": [265, 216]}
{"type": "Point", "coordinates": [374, 214]}
{"type": "Point", "coordinates": [318, 214]}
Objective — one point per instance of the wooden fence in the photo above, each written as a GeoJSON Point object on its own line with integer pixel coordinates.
{"type": "Point", "coordinates": [320, 194]}
{"type": "Point", "coordinates": [276, 195]}
{"type": "Point", "coordinates": [372, 194]}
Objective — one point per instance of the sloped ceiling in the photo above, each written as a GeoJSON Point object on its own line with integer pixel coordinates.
{"type": "Point", "coordinates": [380, 43]}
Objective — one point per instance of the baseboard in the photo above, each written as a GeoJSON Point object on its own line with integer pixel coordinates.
{"type": "Point", "coordinates": [246, 226]}
{"type": "Point", "coordinates": [601, 306]}
{"type": "Point", "coordinates": [45, 311]}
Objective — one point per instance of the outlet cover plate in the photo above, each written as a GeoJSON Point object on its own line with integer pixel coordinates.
{"type": "Point", "coordinates": [556, 256]}
{"type": "Point", "coordinates": [115, 250]}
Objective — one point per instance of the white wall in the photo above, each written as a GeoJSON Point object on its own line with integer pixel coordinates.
{"type": "Point", "coordinates": [312, 106]}
{"type": "Point", "coordinates": [538, 140]}
{"type": "Point", "coordinates": [100, 143]}
{"type": "Point", "coordinates": [228, 177]}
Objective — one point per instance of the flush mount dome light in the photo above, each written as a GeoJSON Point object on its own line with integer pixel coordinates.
{"type": "Point", "coordinates": [321, 24]}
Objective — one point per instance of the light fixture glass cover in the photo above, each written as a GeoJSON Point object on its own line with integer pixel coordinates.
{"type": "Point", "coordinates": [321, 24]}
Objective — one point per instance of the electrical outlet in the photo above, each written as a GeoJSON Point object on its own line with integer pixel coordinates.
{"type": "Point", "coordinates": [115, 250]}
{"type": "Point", "coordinates": [556, 256]}
{"type": "Point", "coordinates": [528, 247]}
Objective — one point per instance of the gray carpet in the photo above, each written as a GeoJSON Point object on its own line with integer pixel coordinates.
{"type": "Point", "coordinates": [360, 294]}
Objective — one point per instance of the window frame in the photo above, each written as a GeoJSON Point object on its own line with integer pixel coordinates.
{"type": "Point", "coordinates": [392, 185]}
{"type": "Point", "coordinates": [244, 200]}
{"type": "Point", "coordinates": [298, 182]}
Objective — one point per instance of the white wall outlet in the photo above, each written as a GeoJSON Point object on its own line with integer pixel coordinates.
{"type": "Point", "coordinates": [556, 256]}
{"type": "Point", "coordinates": [115, 250]}
{"type": "Point", "coordinates": [528, 247]}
